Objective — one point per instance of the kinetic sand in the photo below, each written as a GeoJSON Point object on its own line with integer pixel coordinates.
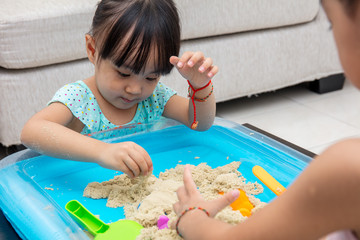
{"type": "Point", "coordinates": [145, 199]}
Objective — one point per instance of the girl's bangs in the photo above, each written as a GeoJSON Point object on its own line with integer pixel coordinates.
{"type": "Point", "coordinates": [137, 51]}
{"type": "Point", "coordinates": [139, 33]}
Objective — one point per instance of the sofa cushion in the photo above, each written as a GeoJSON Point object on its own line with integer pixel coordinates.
{"type": "Point", "coordinates": [37, 33]}
{"type": "Point", "coordinates": [214, 17]}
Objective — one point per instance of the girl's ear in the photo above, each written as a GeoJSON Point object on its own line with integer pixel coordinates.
{"type": "Point", "coordinates": [90, 47]}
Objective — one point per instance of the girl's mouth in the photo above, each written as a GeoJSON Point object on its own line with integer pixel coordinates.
{"type": "Point", "coordinates": [127, 100]}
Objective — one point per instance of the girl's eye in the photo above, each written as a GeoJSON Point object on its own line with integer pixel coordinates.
{"type": "Point", "coordinates": [124, 74]}
{"type": "Point", "coordinates": [151, 78]}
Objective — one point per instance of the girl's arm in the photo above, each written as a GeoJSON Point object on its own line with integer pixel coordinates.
{"type": "Point", "coordinates": [55, 132]}
{"type": "Point", "coordinates": [198, 70]}
{"type": "Point", "coordinates": [325, 198]}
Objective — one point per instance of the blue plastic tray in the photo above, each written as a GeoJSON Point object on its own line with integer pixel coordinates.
{"type": "Point", "coordinates": [36, 212]}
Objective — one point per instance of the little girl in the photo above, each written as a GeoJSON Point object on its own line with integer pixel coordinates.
{"type": "Point", "coordinates": [131, 44]}
{"type": "Point", "coordinates": [323, 201]}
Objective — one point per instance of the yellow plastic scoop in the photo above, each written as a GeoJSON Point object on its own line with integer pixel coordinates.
{"type": "Point", "coordinates": [122, 229]}
{"type": "Point", "coordinates": [242, 204]}
{"type": "Point", "coordinates": [268, 180]}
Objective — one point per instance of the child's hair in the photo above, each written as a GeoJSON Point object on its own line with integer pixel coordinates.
{"type": "Point", "coordinates": [126, 31]}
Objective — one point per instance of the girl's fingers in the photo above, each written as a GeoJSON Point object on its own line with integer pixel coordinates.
{"type": "Point", "coordinates": [174, 60]}
{"type": "Point", "coordinates": [205, 65]}
{"type": "Point", "coordinates": [183, 59]}
{"type": "Point", "coordinates": [146, 164]}
{"type": "Point", "coordinates": [224, 201]}
{"type": "Point", "coordinates": [189, 183]}
{"type": "Point", "coordinates": [132, 166]}
{"type": "Point", "coordinates": [128, 171]}
{"type": "Point", "coordinates": [181, 193]}
{"type": "Point", "coordinates": [196, 58]}
{"type": "Point", "coordinates": [139, 160]}
{"type": "Point", "coordinates": [124, 168]}
{"type": "Point", "coordinates": [213, 70]}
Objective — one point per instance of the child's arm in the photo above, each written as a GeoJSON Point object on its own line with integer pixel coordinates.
{"type": "Point", "coordinates": [53, 131]}
{"type": "Point", "coordinates": [325, 198]}
{"type": "Point", "coordinates": [198, 70]}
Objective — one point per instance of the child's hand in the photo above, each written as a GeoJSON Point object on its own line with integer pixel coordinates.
{"type": "Point", "coordinates": [194, 67]}
{"type": "Point", "coordinates": [127, 157]}
{"type": "Point", "coordinates": [189, 196]}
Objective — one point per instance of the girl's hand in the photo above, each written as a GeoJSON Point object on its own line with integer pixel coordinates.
{"type": "Point", "coordinates": [127, 157]}
{"type": "Point", "coordinates": [189, 196]}
{"type": "Point", "coordinates": [194, 67]}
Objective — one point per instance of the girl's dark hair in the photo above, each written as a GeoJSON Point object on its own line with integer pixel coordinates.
{"type": "Point", "coordinates": [126, 31]}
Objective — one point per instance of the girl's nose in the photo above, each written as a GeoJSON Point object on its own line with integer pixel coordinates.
{"type": "Point", "coordinates": [133, 87]}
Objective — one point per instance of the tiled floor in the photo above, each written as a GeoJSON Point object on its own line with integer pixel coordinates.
{"type": "Point", "coordinates": [305, 118]}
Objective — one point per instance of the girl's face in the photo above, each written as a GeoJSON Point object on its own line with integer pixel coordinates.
{"type": "Point", "coordinates": [346, 30]}
{"type": "Point", "coordinates": [121, 87]}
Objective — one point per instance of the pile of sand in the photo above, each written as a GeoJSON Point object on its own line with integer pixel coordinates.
{"type": "Point", "coordinates": [145, 199]}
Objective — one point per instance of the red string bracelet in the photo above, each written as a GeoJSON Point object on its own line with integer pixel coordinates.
{"type": "Point", "coordinates": [195, 123]}
{"type": "Point", "coordinates": [184, 212]}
